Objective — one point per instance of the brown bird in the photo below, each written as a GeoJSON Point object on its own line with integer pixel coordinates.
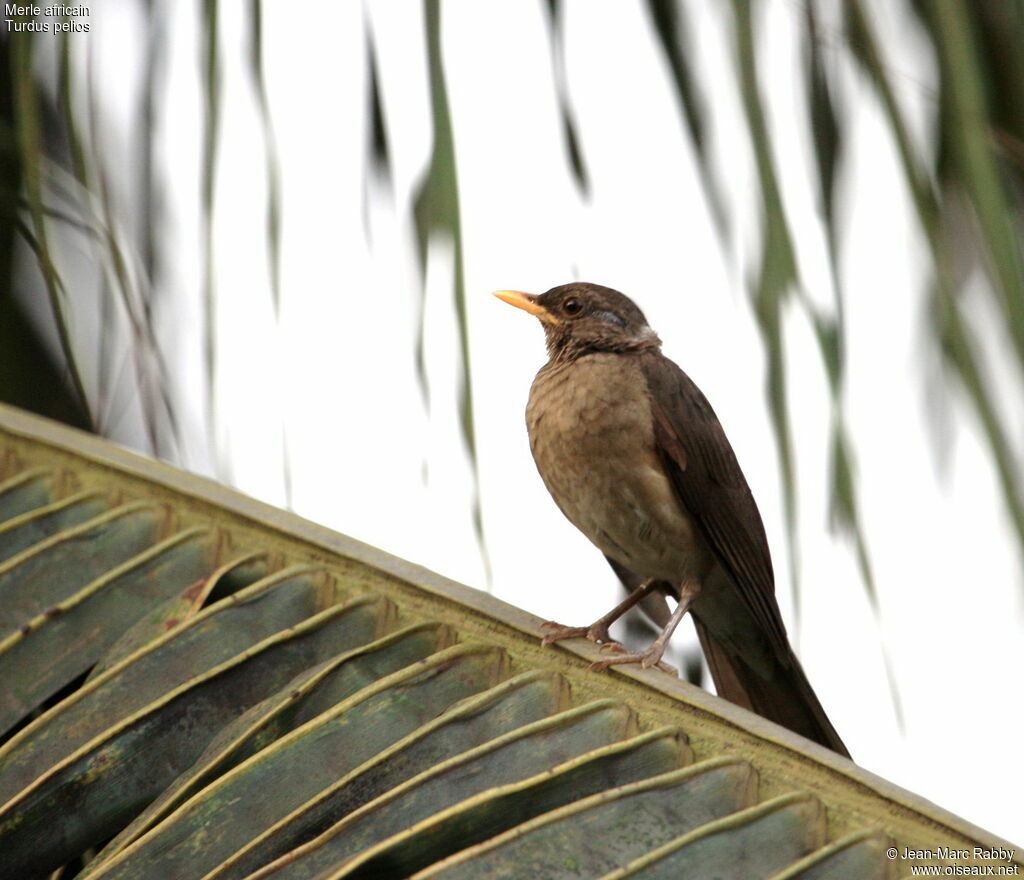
{"type": "Point", "coordinates": [635, 457]}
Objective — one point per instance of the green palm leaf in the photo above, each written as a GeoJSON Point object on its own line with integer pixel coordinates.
{"type": "Point", "coordinates": [331, 711]}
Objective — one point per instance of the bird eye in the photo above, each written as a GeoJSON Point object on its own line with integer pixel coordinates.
{"type": "Point", "coordinates": [572, 306]}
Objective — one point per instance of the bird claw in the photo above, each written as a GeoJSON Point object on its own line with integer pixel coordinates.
{"type": "Point", "coordinates": [615, 647]}
{"type": "Point", "coordinates": [646, 659]}
{"type": "Point", "coordinates": [596, 632]}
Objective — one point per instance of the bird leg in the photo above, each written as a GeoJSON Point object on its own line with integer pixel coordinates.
{"type": "Point", "coordinates": [688, 591]}
{"type": "Point", "coordinates": [598, 630]}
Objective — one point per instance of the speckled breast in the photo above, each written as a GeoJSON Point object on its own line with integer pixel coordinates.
{"type": "Point", "coordinates": [592, 438]}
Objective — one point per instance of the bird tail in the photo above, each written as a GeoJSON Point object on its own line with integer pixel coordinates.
{"type": "Point", "coordinates": [785, 697]}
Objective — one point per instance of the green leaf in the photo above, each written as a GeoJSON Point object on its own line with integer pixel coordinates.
{"type": "Point", "coordinates": [597, 809]}
{"type": "Point", "coordinates": [970, 131]}
{"type": "Point", "coordinates": [51, 650]}
{"type": "Point", "coordinates": [164, 614]}
{"type": "Point", "coordinates": [28, 491]}
{"type": "Point", "coordinates": [777, 277]}
{"type": "Point", "coordinates": [221, 632]}
{"type": "Point", "coordinates": [39, 523]}
{"type": "Point", "coordinates": [499, 809]}
{"type": "Point", "coordinates": [109, 779]}
{"type": "Point", "coordinates": [436, 210]}
{"type": "Point", "coordinates": [514, 756]}
{"type": "Point", "coordinates": [672, 32]}
{"type": "Point", "coordinates": [233, 809]}
{"type": "Point", "coordinates": [32, 155]}
{"type": "Point", "coordinates": [35, 581]}
{"type": "Point", "coordinates": [508, 706]}
{"type": "Point", "coordinates": [308, 695]}
{"type": "Point", "coordinates": [748, 845]}
{"type": "Point", "coordinates": [861, 855]}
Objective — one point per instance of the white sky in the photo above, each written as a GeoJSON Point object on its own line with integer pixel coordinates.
{"type": "Point", "coordinates": [333, 380]}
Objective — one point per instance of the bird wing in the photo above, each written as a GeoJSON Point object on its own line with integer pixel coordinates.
{"type": "Point", "coordinates": [702, 466]}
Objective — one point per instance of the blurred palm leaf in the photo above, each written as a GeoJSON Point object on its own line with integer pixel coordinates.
{"type": "Point", "coordinates": [969, 130]}
{"type": "Point", "coordinates": [970, 188]}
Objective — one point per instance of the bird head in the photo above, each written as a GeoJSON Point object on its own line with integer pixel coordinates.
{"type": "Point", "coordinates": [582, 318]}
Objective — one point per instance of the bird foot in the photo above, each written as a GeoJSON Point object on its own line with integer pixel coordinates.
{"type": "Point", "coordinates": [646, 659]}
{"type": "Point", "coordinates": [596, 632]}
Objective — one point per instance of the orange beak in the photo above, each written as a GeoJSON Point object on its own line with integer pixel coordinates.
{"type": "Point", "coordinates": [528, 303]}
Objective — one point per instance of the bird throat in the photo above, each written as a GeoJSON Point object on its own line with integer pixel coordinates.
{"type": "Point", "coordinates": [563, 345]}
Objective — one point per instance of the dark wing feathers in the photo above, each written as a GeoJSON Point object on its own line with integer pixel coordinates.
{"type": "Point", "coordinates": [702, 466]}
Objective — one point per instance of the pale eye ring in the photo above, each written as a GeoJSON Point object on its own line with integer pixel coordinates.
{"type": "Point", "coordinates": [572, 306]}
